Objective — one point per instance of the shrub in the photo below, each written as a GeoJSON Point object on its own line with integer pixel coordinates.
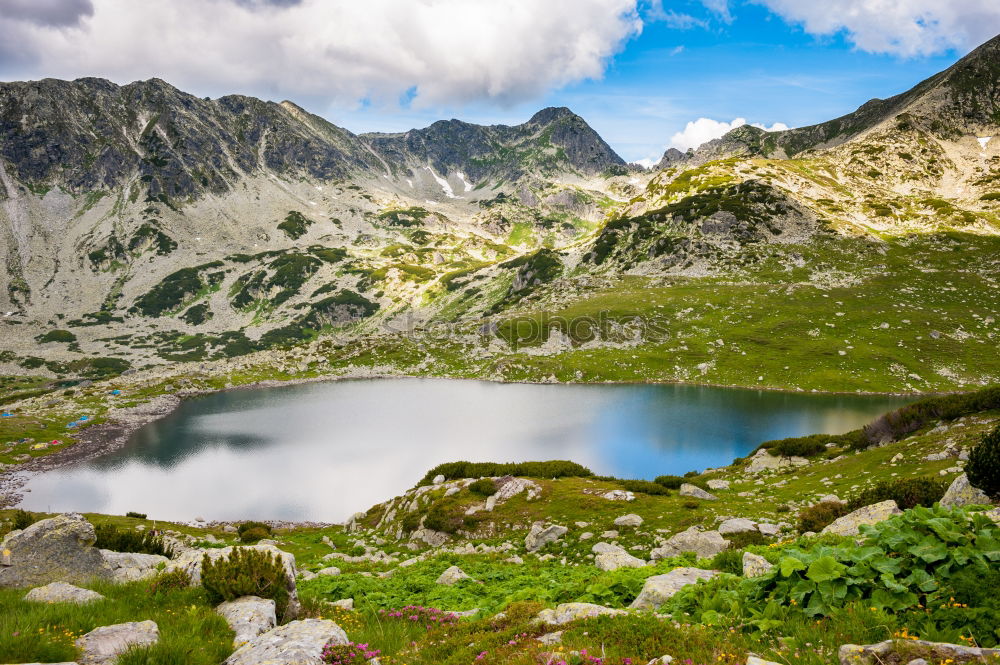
{"type": "Point", "coordinates": [349, 654]}
{"type": "Point", "coordinates": [411, 522]}
{"type": "Point", "coordinates": [445, 517]}
{"type": "Point", "coordinates": [670, 482]}
{"type": "Point", "coordinates": [247, 526]}
{"type": "Point", "coordinates": [23, 519]}
{"type": "Point", "coordinates": [549, 469]}
{"type": "Point", "coordinates": [138, 516]}
{"type": "Point", "coordinates": [254, 535]}
{"type": "Point", "coordinates": [803, 446]}
{"type": "Point", "coordinates": [818, 515]}
{"type": "Point", "coordinates": [740, 541]}
{"type": "Point", "coordinates": [691, 504]}
{"type": "Point", "coordinates": [984, 464]}
{"type": "Point", "coordinates": [906, 492]}
{"type": "Point", "coordinates": [56, 336]}
{"type": "Point", "coordinates": [483, 487]}
{"type": "Point", "coordinates": [245, 572]}
{"type": "Point", "coordinates": [171, 581]}
{"type": "Point", "coordinates": [729, 561]}
{"type": "Point", "coordinates": [109, 537]}
{"type": "Point", "coordinates": [644, 487]}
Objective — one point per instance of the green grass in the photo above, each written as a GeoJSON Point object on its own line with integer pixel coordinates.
{"type": "Point", "coordinates": [190, 631]}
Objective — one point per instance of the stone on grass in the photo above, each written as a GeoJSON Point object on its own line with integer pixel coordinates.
{"type": "Point", "coordinates": [659, 588]}
{"type": "Point", "coordinates": [718, 484]}
{"type": "Point", "coordinates": [572, 611]}
{"type": "Point", "coordinates": [104, 645]}
{"type": "Point", "coordinates": [704, 544]}
{"type": "Point", "coordinates": [618, 559]}
{"type": "Point", "coordinates": [935, 652]}
{"type": "Point", "coordinates": [629, 520]}
{"type": "Point", "coordinates": [344, 604]}
{"type": "Point", "coordinates": [133, 566]}
{"type": "Point", "coordinates": [767, 529]}
{"type": "Point", "coordinates": [329, 571]}
{"type": "Point", "coordinates": [453, 575]}
{"type": "Point", "coordinates": [619, 495]}
{"type": "Point", "coordinates": [540, 536]}
{"type": "Point", "coordinates": [60, 592]}
{"type": "Point", "coordinates": [662, 660]}
{"type": "Point", "coordinates": [295, 643]}
{"type": "Point", "coordinates": [687, 489]}
{"type": "Point", "coordinates": [757, 660]}
{"type": "Point", "coordinates": [849, 524]}
{"type": "Point", "coordinates": [438, 479]}
{"type": "Point", "coordinates": [737, 525]}
{"type": "Point", "coordinates": [754, 565]}
{"type": "Point", "coordinates": [962, 493]}
{"type": "Point", "coordinates": [551, 638]}
{"type": "Point", "coordinates": [248, 616]}
{"type": "Point", "coordinates": [57, 549]}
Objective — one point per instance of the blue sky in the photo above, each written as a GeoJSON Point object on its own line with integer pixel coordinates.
{"type": "Point", "coordinates": [758, 67]}
{"type": "Point", "coordinates": [638, 70]}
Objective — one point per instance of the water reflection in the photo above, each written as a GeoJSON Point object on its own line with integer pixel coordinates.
{"type": "Point", "coordinates": [323, 451]}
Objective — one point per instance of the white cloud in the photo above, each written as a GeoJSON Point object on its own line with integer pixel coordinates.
{"type": "Point", "coordinates": [448, 51]}
{"type": "Point", "coordinates": [703, 130]}
{"type": "Point", "coordinates": [900, 27]}
{"type": "Point", "coordinates": [647, 162]}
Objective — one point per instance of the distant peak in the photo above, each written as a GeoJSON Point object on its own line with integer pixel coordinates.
{"type": "Point", "coordinates": [551, 114]}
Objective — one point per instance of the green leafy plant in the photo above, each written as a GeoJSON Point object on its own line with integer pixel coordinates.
{"type": "Point", "coordinates": [983, 468]}
{"type": "Point", "coordinates": [245, 572]}
{"type": "Point", "coordinates": [110, 537]}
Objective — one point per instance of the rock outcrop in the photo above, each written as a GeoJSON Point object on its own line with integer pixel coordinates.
{"type": "Point", "coordinates": [58, 549]}
{"type": "Point", "coordinates": [659, 588]}
{"type": "Point", "coordinates": [539, 536]}
{"type": "Point", "coordinates": [962, 493]}
{"type": "Point", "coordinates": [295, 643]}
{"type": "Point", "coordinates": [60, 592]}
{"type": "Point", "coordinates": [704, 544]}
{"type": "Point", "coordinates": [567, 612]}
{"type": "Point", "coordinates": [849, 524]}
{"type": "Point", "coordinates": [248, 616]}
{"type": "Point", "coordinates": [103, 645]}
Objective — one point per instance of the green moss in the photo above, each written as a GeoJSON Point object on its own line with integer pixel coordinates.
{"type": "Point", "coordinates": [295, 224]}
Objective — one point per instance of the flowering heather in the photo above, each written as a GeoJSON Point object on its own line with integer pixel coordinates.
{"type": "Point", "coordinates": [428, 616]}
{"type": "Point", "coordinates": [348, 654]}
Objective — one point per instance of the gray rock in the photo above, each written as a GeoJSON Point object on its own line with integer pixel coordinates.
{"type": "Point", "coordinates": [104, 645]}
{"type": "Point", "coordinates": [248, 616]}
{"type": "Point", "coordinates": [58, 549]}
{"type": "Point", "coordinates": [757, 660]}
{"type": "Point", "coordinates": [344, 604]}
{"type": "Point", "coordinates": [767, 529]}
{"type": "Point", "coordinates": [540, 536]}
{"type": "Point", "coordinates": [605, 548]}
{"type": "Point", "coordinates": [430, 537]}
{"type": "Point", "coordinates": [190, 562]}
{"type": "Point", "coordinates": [60, 592]}
{"type": "Point", "coordinates": [551, 638]}
{"type": "Point", "coordinates": [696, 492]}
{"type": "Point", "coordinates": [755, 565]}
{"type": "Point", "coordinates": [737, 525]}
{"type": "Point", "coordinates": [438, 479]}
{"type": "Point", "coordinates": [849, 524]}
{"type": "Point", "coordinates": [132, 566]}
{"type": "Point", "coordinates": [765, 461]}
{"type": "Point", "coordinates": [616, 560]}
{"type": "Point", "coordinates": [936, 652]}
{"type": "Point", "coordinates": [718, 484]}
{"type": "Point", "coordinates": [662, 660]}
{"type": "Point", "coordinates": [704, 544]}
{"type": "Point", "coordinates": [452, 576]}
{"type": "Point", "coordinates": [962, 493]}
{"type": "Point", "coordinates": [619, 495]}
{"type": "Point", "coordinates": [329, 571]}
{"type": "Point", "coordinates": [295, 643]}
{"type": "Point", "coordinates": [629, 520]}
{"type": "Point", "coordinates": [567, 612]}
{"type": "Point", "coordinates": [659, 588]}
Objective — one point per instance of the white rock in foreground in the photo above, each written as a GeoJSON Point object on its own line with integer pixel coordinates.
{"type": "Point", "coordinates": [104, 645]}
{"type": "Point", "coordinates": [452, 576]}
{"type": "Point", "coordinates": [248, 616]}
{"type": "Point", "coordinates": [754, 565]}
{"type": "Point", "coordinates": [696, 492]}
{"type": "Point", "coordinates": [572, 611]}
{"type": "Point", "coordinates": [849, 524]}
{"type": "Point", "coordinates": [295, 643]}
{"type": "Point", "coordinates": [659, 588]}
{"type": "Point", "coordinates": [60, 592]}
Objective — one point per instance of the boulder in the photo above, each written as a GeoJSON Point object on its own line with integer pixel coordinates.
{"type": "Point", "coordinates": [767, 529]}
{"type": "Point", "coordinates": [344, 604]}
{"type": "Point", "coordinates": [687, 489]}
{"type": "Point", "coordinates": [762, 460]}
{"type": "Point", "coordinates": [438, 479]}
{"type": "Point", "coordinates": [848, 524]}
{"type": "Point", "coordinates": [296, 643]}
{"type": "Point", "coordinates": [104, 645]}
{"type": "Point", "coordinates": [430, 537]}
{"type": "Point", "coordinates": [659, 588]}
{"type": "Point", "coordinates": [572, 611]}
{"type": "Point", "coordinates": [606, 548]}
{"type": "Point", "coordinates": [540, 536]}
{"type": "Point", "coordinates": [737, 525]}
{"type": "Point", "coordinates": [58, 549]}
{"type": "Point", "coordinates": [662, 660]}
{"type": "Point", "coordinates": [962, 493]}
{"type": "Point", "coordinates": [551, 638]}
{"type": "Point", "coordinates": [935, 652]}
{"type": "Point", "coordinates": [248, 616]}
{"type": "Point", "coordinates": [616, 560]}
{"type": "Point", "coordinates": [718, 484]}
{"type": "Point", "coordinates": [329, 571]}
{"type": "Point", "coordinates": [190, 562]}
{"type": "Point", "coordinates": [757, 660]}
{"type": "Point", "coordinates": [755, 565]}
{"type": "Point", "coordinates": [704, 544]}
{"type": "Point", "coordinates": [60, 592]}
{"type": "Point", "coordinates": [132, 566]}
{"type": "Point", "coordinates": [629, 520]}
{"type": "Point", "coordinates": [453, 575]}
{"type": "Point", "coordinates": [619, 495]}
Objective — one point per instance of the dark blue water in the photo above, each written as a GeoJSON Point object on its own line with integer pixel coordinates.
{"type": "Point", "coordinates": [322, 451]}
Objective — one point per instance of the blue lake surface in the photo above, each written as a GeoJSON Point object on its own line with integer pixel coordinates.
{"type": "Point", "coordinates": [322, 451]}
